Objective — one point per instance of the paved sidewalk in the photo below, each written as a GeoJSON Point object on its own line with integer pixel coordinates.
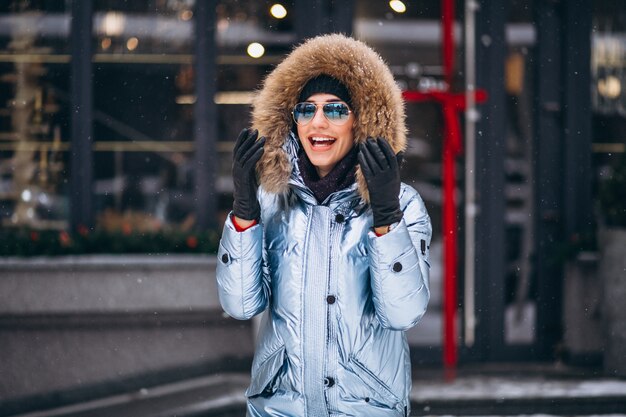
{"type": "Point", "coordinates": [519, 390]}
{"type": "Point", "coordinates": [519, 395]}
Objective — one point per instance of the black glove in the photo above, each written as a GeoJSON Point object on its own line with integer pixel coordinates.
{"type": "Point", "coordinates": [381, 169]}
{"type": "Point", "coordinates": [246, 154]}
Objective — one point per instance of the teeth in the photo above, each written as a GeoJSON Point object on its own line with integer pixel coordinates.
{"type": "Point", "coordinates": [316, 139]}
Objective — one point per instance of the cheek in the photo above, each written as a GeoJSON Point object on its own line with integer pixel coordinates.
{"type": "Point", "coordinates": [348, 141]}
{"type": "Point", "coordinates": [299, 131]}
{"type": "Point", "coordinates": [349, 130]}
{"type": "Point", "coordinates": [347, 145]}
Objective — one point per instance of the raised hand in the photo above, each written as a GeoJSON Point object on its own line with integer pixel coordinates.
{"type": "Point", "coordinates": [381, 169]}
{"type": "Point", "coordinates": [247, 152]}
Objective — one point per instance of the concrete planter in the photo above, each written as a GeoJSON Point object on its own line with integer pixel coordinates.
{"type": "Point", "coordinates": [612, 271]}
{"type": "Point", "coordinates": [78, 327]}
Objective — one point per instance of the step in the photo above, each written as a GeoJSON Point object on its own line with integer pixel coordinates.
{"type": "Point", "coordinates": [222, 395]}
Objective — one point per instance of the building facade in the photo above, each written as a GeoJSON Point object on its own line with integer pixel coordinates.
{"type": "Point", "coordinates": [122, 115]}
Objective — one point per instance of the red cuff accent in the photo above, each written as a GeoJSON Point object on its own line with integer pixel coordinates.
{"type": "Point", "coordinates": [381, 234]}
{"type": "Point", "coordinates": [239, 228]}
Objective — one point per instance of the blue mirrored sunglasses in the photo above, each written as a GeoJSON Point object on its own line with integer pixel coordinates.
{"type": "Point", "coordinates": [336, 112]}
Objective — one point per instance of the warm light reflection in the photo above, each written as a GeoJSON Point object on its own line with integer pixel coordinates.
{"type": "Point", "coordinates": [186, 99]}
{"type": "Point", "coordinates": [397, 6]}
{"type": "Point", "coordinates": [256, 50]}
{"type": "Point", "coordinates": [222, 25]}
{"type": "Point", "coordinates": [278, 11]}
{"type": "Point", "coordinates": [610, 87]}
{"type": "Point", "coordinates": [105, 43]}
{"type": "Point", "coordinates": [222, 97]}
{"type": "Point", "coordinates": [186, 15]}
{"type": "Point", "coordinates": [132, 43]}
{"type": "Point", "coordinates": [234, 97]}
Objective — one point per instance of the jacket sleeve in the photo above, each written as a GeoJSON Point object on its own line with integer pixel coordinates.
{"type": "Point", "coordinates": [241, 281]}
{"type": "Point", "coordinates": [399, 266]}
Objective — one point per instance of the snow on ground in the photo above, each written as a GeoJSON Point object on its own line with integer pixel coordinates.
{"type": "Point", "coordinates": [538, 415]}
{"type": "Point", "coordinates": [499, 388]}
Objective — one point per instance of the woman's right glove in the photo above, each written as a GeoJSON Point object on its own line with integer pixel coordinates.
{"type": "Point", "coordinates": [381, 169]}
{"type": "Point", "coordinates": [246, 154]}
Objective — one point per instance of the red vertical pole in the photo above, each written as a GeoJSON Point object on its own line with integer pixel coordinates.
{"type": "Point", "coordinates": [449, 207]}
{"type": "Point", "coordinates": [447, 21]}
{"type": "Point", "coordinates": [451, 149]}
{"type": "Point", "coordinates": [449, 242]}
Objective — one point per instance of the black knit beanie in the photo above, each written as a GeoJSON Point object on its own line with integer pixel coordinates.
{"type": "Point", "coordinates": [325, 84]}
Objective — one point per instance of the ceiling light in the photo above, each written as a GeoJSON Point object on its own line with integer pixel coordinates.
{"type": "Point", "coordinates": [278, 11]}
{"type": "Point", "coordinates": [256, 50]}
{"type": "Point", "coordinates": [26, 195]}
{"type": "Point", "coordinates": [113, 23]}
{"type": "Point", "coordinates": [397, 6]}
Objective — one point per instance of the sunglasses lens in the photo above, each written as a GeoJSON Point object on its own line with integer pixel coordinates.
{"type": "Point", "coordinates": [304, 112]}
{"type": "Point", "coordinates": [336, 112]}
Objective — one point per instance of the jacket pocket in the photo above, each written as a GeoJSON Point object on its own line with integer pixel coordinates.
{"type": "Point", "coordinates": [381, 393]}
{"type": "Point", "coordinates": [264, 376]}
{"type": "Point", "coordinates": [408, 260]}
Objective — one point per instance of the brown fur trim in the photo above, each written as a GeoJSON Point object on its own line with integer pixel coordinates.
{"type": "Point", "coordinates": [376, 100]}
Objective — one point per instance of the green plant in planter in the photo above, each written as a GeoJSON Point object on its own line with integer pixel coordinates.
{"type": "Point", "coordinates": [27, 242]}
{"type": "Point", "coordinates": [613, 195]}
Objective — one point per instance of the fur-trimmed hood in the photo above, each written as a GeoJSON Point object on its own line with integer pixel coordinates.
{"type": "Point", "coordinates": [376, 101]}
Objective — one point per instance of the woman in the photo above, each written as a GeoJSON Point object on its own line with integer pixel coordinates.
{"type": "Point", "coordinates": [331, 244]}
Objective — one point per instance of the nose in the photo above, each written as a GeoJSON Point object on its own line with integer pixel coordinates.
{"type": "Point", "coordinates": [319, 120]}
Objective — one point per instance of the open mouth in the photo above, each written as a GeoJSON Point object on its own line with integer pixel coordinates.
{"type": "Point", "coordinates": [321, 142]}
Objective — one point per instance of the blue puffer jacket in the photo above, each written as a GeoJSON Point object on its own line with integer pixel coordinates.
{"type": "Point", "coordinates": [338, 297]}
{"type": "Point", "coordinates": [335, 297]}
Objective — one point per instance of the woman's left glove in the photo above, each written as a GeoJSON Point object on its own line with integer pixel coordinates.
{"type": "Point", "coordinates": [381, 169]}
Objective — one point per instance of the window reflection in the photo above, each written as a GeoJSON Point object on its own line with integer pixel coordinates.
{"type": "Point", "coordinates": [33, 116]}
{"type": "Point", "coordinates": [144, 96]}
{"type": "Point", "coordinates": [145, 91]}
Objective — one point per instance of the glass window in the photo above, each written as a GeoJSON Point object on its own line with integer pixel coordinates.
{"type": "Point", "coordinates": [608, 95]}
{"type": "Point", "coordinates": [143, 117]}
{"type": "Point", "coordinates": [144, 95]}
{"type": "Point", "coordinates": [409, 42]}
{"type": "Point", "coordinates": [34, 118]}
{"type": "Point", "coordinates": [144, 86]}
{"type": "Point", "coordinates": [252, 38]}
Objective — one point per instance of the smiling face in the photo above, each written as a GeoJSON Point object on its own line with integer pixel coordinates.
{"type": "Point", "coordinates": [325, 143]}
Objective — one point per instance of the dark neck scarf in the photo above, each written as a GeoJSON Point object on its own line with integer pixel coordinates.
{"type": "Point", "coordinates": [341, 176]}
